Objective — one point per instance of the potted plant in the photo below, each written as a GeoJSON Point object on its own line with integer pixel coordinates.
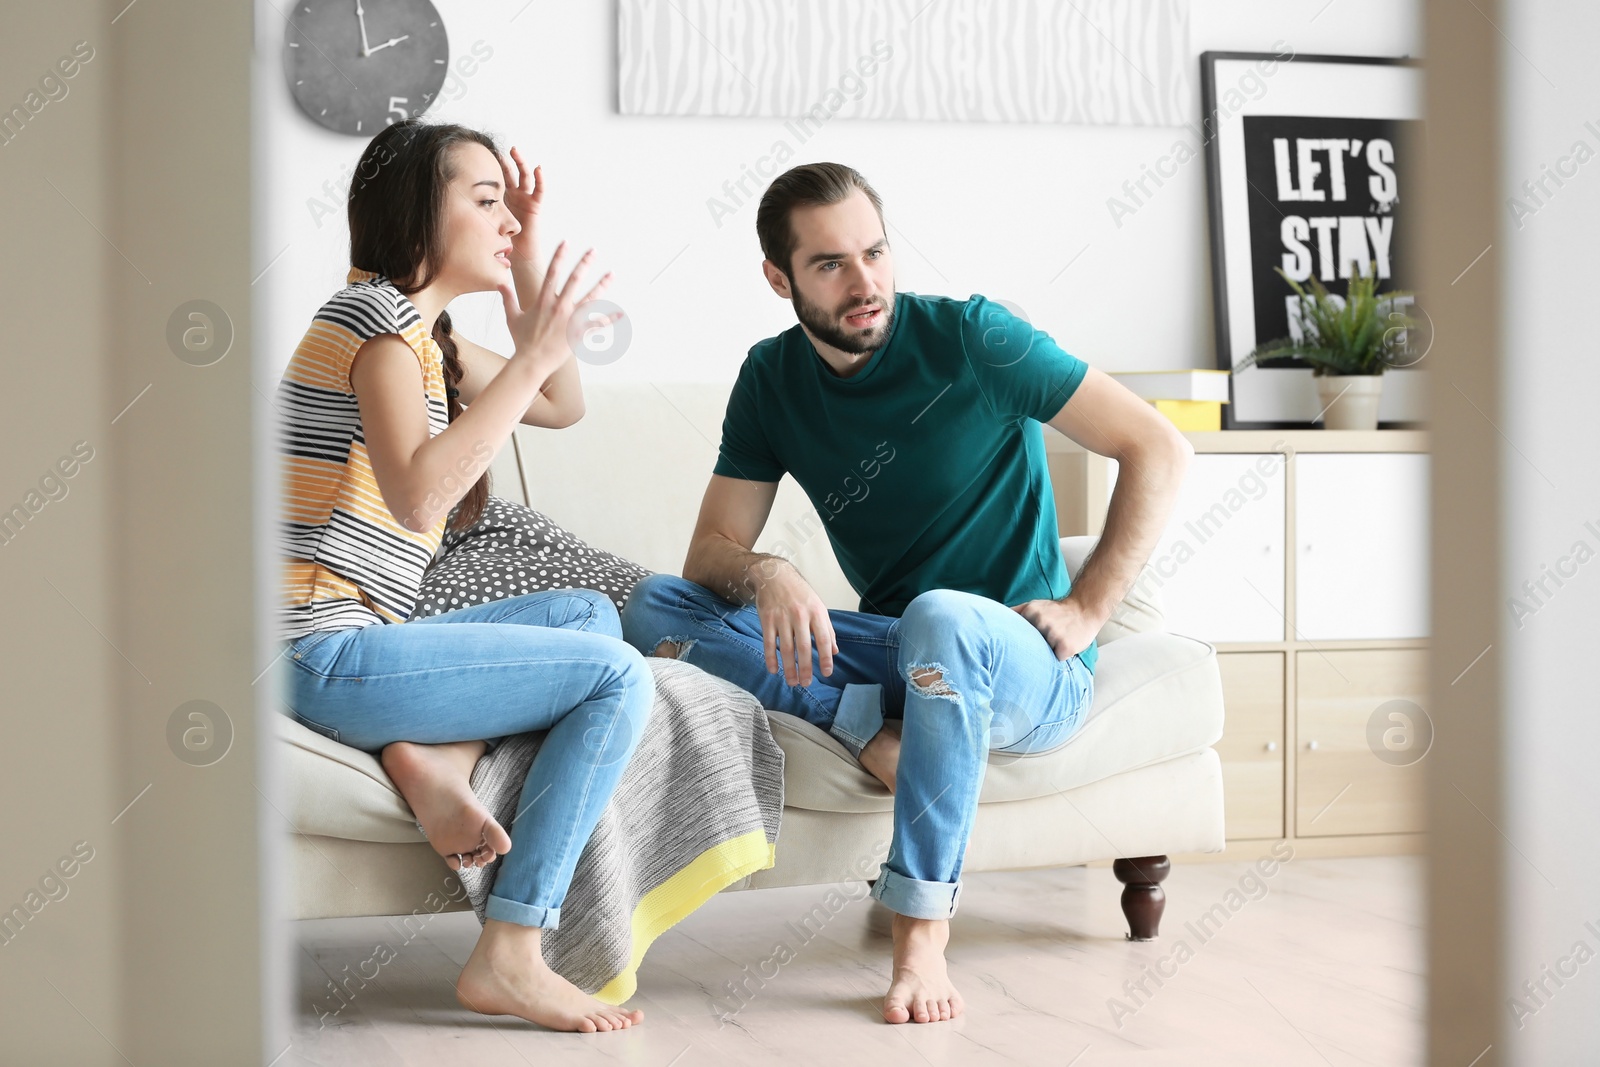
{"type": "Point", "coordinates": [1349, 345]}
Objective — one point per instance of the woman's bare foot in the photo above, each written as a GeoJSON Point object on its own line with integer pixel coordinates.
{"type": "Point", "coordinates": [881, 755]}
{"type": "Point", "coordinates": [920, 988]}
{"type": "Point", "coordinates": [434, 779]}
{"type": "Point", "coordinates": [506, 975]}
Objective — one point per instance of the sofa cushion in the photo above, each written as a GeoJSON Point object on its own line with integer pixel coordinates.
{"type": "Point", "coordinates": [333, 790]}
{"type": "Point", "coordinates": [513, 550]}
{"type": "Point", "coordinates": [1156, 696]}
{"type": "Point", "coordinates": [1139, 611]}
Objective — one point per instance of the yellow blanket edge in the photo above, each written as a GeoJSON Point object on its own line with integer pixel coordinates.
{"type": "Point", "coordinates": [670, 902]}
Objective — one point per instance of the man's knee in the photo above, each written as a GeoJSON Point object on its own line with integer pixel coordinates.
{"type": "Point", "coordinates": [929, 680]}
{"type": "Point", "coordinates": [672, 647]}
{"type": "Point", "coordinates": [942, 624]}
{"type": "Point", "coordinates": [653, 609]}
{"type": "Point", "coordinates": [652, 590]}
{"type": "Point", "coordinates": [943, 609]}
{"type": "Point", "coordinates": [943, 627]}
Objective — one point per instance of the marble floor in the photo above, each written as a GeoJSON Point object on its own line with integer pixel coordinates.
{"type": "Point", "coordinates": [1320, 963]}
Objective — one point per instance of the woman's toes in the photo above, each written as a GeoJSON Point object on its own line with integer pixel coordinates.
{"type": "Point", "coordinates": [496, 838]}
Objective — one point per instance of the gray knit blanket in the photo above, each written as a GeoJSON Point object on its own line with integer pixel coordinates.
{"type": "Point", "coordinates": [696, 810]}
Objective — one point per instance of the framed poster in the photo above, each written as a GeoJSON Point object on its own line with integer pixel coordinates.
{"type": "Point", "coordinates": [1307, 167]}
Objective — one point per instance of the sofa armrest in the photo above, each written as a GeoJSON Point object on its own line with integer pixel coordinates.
{"type": "Point", "coordinates": [1140, 611]}
{"type": "Point", "coordinates": [333, 790]}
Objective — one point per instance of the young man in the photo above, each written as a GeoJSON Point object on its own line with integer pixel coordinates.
{"type": "Point", "coordinates": [913, 424]}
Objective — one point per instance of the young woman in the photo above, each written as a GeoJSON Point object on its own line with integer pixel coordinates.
{"type": "Point", "coordinates": [378, 448]}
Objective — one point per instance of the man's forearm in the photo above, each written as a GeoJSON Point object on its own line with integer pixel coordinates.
{"type": "Point", "coordinates": [1147, 489]}
{"type": "Point", "coordinates": [729, 569]}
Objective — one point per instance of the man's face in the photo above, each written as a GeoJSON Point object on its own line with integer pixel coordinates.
{"type": "Point", "coordinates": [843, 284]}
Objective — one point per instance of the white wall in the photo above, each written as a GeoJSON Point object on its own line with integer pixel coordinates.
{"type": "Point", "coordinates": [997, 209]}
{"type": "Point", "coordinates": [1550, 94]}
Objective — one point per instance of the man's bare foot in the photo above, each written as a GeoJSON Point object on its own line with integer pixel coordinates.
{"type": "Point", "coordinates": [881, 755]}
{"type": "Point", "coordinates": [434, 780]}
{"type": "Point", "coordinates": [920, 989]}
{"type": "Point", "coordinates": [506, 975]}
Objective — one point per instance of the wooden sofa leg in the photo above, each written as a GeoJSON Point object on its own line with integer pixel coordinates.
{"type": "Point", "coordinates": [1142, 897]}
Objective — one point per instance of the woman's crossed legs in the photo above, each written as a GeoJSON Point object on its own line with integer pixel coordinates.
{"type": "Point", "coordinates": [546, 661]}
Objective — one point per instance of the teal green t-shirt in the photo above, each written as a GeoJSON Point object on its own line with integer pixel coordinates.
{"type": "Point", "coordinates": [927, 466]}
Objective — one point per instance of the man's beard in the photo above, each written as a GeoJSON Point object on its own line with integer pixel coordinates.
{"type": "Point", "coordinates": [827, 327]}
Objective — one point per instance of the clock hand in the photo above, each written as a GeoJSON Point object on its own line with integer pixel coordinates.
{"type": "Point", "coordinates": [386, 44]}
{"type": "Point", "coordinates": [362, 19]}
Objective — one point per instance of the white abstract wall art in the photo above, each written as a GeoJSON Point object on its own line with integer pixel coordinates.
{"type": "Point", "coordinates": [1118, 62]}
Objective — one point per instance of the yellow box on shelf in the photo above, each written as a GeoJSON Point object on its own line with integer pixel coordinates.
{"type": "Point", "coordinates": [1191, 414]}
{"type": "Point", "coordinates": [1191, 399]}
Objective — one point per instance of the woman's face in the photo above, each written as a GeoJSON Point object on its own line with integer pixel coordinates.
{"type": "Point", "coordinates": [478, 226]}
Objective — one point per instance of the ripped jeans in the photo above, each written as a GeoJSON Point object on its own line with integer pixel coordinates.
{"type": "Point", "coordinates": [985, 680]}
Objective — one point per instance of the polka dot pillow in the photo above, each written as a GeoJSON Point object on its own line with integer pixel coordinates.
{"type": "Point", "coordinates": [512, 550]}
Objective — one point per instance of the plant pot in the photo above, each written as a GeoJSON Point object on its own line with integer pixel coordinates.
{"type": "Point", "coordinates": [1349, 401]}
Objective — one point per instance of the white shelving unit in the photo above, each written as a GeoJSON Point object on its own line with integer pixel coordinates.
{"type": "Point", "coordinates": [1313, 644]}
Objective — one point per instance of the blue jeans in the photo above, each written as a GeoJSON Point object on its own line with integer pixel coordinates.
{"type": "Point", "coordinates": [1000, 688]}
{"type": "Point", "coordinates": [545, 661]}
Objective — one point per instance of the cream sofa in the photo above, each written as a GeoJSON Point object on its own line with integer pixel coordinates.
{"type": "Point", "coordinates": [1137, 783]}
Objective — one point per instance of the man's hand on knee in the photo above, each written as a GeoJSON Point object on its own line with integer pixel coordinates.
{"type": "Point", "coordinates": [792, 617]}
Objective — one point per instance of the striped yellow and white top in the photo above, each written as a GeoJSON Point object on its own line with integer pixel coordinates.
{"type": "Point", "coordinates": [348, 561]}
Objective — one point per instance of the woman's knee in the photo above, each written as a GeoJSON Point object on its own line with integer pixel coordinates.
{"type": "Point", "coordinates": [626, 676]}
{"type": "Point", "coordinates": [562, 609]}
{"type": "Point", "coordinates": [637, 675]}
{"type": "Point", "coordinates": [603, 615]}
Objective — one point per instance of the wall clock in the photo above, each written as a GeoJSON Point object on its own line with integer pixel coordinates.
{"type": "Point", "coordinates": [356, 66]}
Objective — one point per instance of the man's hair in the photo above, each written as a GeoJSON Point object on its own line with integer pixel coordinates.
{"type": "Point", "coordinates": [808, 185]}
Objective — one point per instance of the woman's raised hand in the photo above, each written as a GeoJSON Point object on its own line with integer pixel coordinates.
{"type": "Point", "coordinates": [547, 332]}
{"type": "Point", "coordinates": [524, 197]}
